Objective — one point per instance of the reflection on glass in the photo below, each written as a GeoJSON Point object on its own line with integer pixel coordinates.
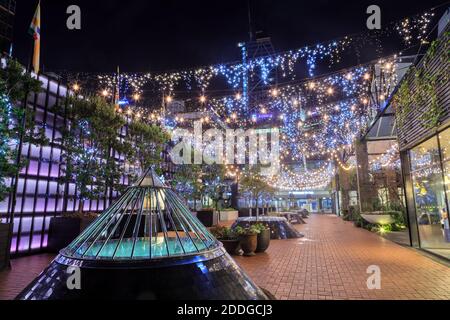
{"type": "Point", "coordinates": [429, 195]}
{"type": "Point", "coordinates": [444, 139]}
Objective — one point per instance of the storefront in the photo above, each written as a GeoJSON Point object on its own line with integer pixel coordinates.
{"type": "Point", "coordinates": [425, 150]}
{"type": "Point", "coordinates": [429, 175]}
{"type": "Point", "coordinates": [313, 201]}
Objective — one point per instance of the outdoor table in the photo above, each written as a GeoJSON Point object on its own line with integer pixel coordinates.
{"type": "Point", "coordinates": [280, 228]}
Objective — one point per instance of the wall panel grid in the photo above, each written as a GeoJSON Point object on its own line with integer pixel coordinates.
{"type": "Point", "coordinates": [39, 195]}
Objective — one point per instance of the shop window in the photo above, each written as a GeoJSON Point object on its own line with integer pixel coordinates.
{"type": "Point", "coordinates": [444, 139]}
{"type": "Point", "coordinates": [431, 206]}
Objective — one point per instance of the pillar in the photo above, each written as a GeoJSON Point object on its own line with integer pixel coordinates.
{"type": "Point", "coordinates": [367, 194]}
{"type": "Point", "coordinates": [344, 188]}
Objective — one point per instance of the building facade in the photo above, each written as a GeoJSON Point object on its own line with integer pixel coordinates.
{"type": "Point", "coordinates": [424, 140]}
{"type": "Point", "coordinates": [40, 195]}
{"type": "Point", "coordinates": [7, 14]}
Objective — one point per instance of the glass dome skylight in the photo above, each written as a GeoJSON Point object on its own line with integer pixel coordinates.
{"type": "Point", "coordinates": [149, 221]}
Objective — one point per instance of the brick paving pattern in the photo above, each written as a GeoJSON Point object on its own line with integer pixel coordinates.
{"type": "Point", "coordinates": [24, 270]}
{"type": "Point", "coordinates": [329, 263]}
{"type": "Point", "coordinates": [332, 260]}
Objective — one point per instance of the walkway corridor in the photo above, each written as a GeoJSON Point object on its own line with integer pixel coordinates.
{"type": "Point", "coordinates": [329, 263]}
{"type": "Point", "coordinates": [332, 260]}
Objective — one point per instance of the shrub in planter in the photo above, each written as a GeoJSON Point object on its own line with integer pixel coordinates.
{"type": "Point", "coordinates": [263, 238]}
{"type": "Point", "coordinates": [228, 238]}
{"type": "Point", "coordinates": [5, 245]}
{"type": "Point", "coordinates": [63, 230]}
{"type": "Point", "coordinates": [248, 239]}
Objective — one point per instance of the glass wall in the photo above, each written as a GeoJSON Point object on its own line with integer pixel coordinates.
{"type": "Point", "coordinates": [430, 195]}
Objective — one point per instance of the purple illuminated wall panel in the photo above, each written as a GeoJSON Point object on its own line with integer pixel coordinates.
{"type": "Point", "coordinates": [39, 196]}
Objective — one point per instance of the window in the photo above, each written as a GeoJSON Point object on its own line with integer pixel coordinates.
{"type": "Point", "coordinates": [429, 194]}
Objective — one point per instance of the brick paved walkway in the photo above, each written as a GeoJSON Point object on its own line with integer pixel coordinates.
{"type": "Point", "coordinates": [24, 270]}
{"type": "Point", "coordinates": [331, 263]}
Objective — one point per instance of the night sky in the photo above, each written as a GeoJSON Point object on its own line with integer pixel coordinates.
{"type": "Point", "coordinates": [160, 35]}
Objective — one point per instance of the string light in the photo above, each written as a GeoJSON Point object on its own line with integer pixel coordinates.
{"type": "Point", "coordinates": [318, 116]}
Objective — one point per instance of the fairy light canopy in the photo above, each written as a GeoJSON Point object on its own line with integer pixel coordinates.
{"type": "Point", "coordinates": [149, 221]}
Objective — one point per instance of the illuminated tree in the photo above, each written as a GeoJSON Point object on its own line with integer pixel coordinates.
{"type": "Point", "coordinates": [15, 123]}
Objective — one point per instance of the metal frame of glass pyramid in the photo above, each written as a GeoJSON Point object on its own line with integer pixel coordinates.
{"type": "Point", "coordinates": [150, 221]}
{"type": "Point", "coordinates": [147, 245]}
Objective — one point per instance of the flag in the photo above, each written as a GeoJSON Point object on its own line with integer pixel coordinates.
{"type": "Point", "coordinates": [35, 31]}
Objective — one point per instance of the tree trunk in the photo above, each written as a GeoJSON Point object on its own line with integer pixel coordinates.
{"type": "Point", "coordinates": [81, 207]}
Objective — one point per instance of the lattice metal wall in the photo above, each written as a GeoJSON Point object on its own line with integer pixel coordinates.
{"type": "Point", "coordinates": [413, 128]}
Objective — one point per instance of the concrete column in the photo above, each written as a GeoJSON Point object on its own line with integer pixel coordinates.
{"type": "Point", "coordinates": [344, 187]}
{"type": "Point", "coordinates": [392, 186]}
{"type": "Point", "coordinates": [367, 194]}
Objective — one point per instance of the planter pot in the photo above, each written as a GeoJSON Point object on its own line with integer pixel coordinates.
{"type": "Point", "coordinates": [263, 241]}
{"type": "Point", "coordinates": [249, 244]}
{"type": "Point", "coordinates": [208, 218]}
{"type": "Point", "coordinates": [5, 245]}
{"type": "Point", "coordinates": [229, 215]}
{"type": "Point", "coordinates": [62, 232]}
{"type": "Point", "coordinates": [381, 219]}
{"type": "Point", "coordinates": [231, 246]}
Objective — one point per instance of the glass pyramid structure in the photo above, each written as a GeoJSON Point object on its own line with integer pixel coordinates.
{"type": "Point", "coordinates": [146, 246]}
{"type": "Point", "coordinates": [150, 221]}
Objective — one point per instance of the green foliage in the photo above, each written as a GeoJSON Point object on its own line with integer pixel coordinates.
{"type": "Point", "coordinates": [426, 82]}
{"type": "Point", "coordinates": [196, 181]}
{"type": "Point", "coordinates": [148, 142]}
{"type": "Point", "coordinates": [87, 142]}
{"type": "Point", "coordinates": [261, 227]}
{"type": "Point", "coordinates": [213, 177]}
{"type": "Point", "coordinates": [188, 181]}
{"type": "Point", "coordinates": [224, 233]}
{"type": "Point", "coordinates": [15, 85]}
{"type": "Point", "coordinates": [90, 143]}
{"type": "Point", "coordinates": [253, 183]}
{"type": "Point", "coordinates": [242, 232]}
{"type": "Point", "coordinates": [382, 229]}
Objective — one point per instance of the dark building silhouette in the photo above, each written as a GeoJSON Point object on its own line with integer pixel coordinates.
{"type": "Point", "coordinates": [7, 13]}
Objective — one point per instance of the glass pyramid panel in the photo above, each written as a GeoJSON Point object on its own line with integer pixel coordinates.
{"type": "Point", "coordinates": [149, 221]}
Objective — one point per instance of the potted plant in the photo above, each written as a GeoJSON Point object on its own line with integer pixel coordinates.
{"type": "Point", "coordinates": [5, 244]}
{"type": "Point", "coordinates": [228, 238]}
{"type": "Point", "coordinates": [263, 238]}
{"type": "Point", "coordinates": [248, 239]}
